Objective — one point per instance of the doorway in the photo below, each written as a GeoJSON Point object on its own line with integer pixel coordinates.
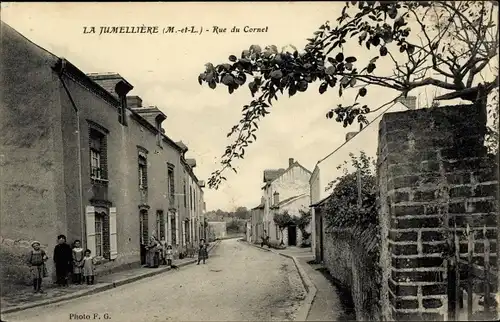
{"type": "Point", "coordinates": [143, 234]}
{"type": "Point", "coordinates": [292, 235]}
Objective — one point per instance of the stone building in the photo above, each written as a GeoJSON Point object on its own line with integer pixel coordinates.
{"type": "Point", "coordinates": [283, 184]}
{"type": "Point", "coordinates": [79, 157]}
{"type": "Point", "coordinates": [257, 222]}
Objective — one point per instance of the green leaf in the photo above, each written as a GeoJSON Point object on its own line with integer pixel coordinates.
{"type": "Point", "coordinates": [323, 87]}
{"type": "Point", "coordinates": [383, 51]}
{"type": "Point", "coordinates": [371, 67]}
{"type": "Point", "coordinates": [350, 59]}
{"type": "Point", "coordinates": [340, 57]}
{"type": "Point", "coordinates": [330, 70]}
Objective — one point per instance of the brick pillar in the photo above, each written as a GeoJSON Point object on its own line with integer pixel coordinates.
{"type": "Point", "coordinates": [433, 173]}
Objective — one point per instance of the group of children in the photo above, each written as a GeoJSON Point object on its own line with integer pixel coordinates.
{"type": "Point", "coordinates": [82, 264]}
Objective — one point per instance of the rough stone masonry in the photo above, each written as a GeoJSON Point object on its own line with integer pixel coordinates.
{"type": "Point", "coordinates": [433, 173]}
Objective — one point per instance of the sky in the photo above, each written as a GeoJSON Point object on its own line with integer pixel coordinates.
{"type": "Point", "coordinates": [163, 69]}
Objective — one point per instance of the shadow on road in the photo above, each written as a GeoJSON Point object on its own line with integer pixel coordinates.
{"type": "Point", "coordinates": [348, 313]}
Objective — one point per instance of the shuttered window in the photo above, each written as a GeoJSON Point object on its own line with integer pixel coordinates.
{"type": "Point", "coordinates": [113, 238]}
{"type": "Point", "coordinates": [99, 223]}
{"type": "Point", "coordinates": [171, 185]}
{"type": "Point", "coordinates": [143, 173]}
{"type": "Point", "coordinates": [160, 224]}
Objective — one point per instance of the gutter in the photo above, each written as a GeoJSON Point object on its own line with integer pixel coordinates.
{"type": "Point", "coordinates": [60, 68]}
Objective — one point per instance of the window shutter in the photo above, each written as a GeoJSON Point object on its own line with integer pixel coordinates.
{"type": "Point", "coordinates": [176, 228]}
{"type": "Point", "coordinates": [168, 226]}
{"type": "Point", "coordinates": [90, 222]}
{"type": "Point", "coordinates": [113, 244]}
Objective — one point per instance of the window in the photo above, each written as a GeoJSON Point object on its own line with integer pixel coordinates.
{"type": "Point", "coordinates": [97, 155]}
{"type": "Point", "coordinates": [191, 197]}
{"type": "Point", "coordinates": [143, 173]}
{"type": "Point", "coordinates": [160, 224]}
{"type": "Point", "coordinates": [99, 244]}
{"type": "Point", "coordinates": [171, 186]}
{"type": "Point", "coordinates": [95, 164]}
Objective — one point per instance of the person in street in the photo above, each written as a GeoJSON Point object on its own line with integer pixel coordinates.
{"type": "Point", "coordinates": [78, 255]}
{"type": "Point", "coordinates": [88, 267]}
{"type": "Point", "coordinates": [202, 252]}
{"type": "Point", "coordinates": [63, 258]}
{"type": "Point", "coordinates": [151, 256]}
{"type": "Point", "coordinates": [36, 262]}
{"type": "Point", "coordinates": [169, 256]}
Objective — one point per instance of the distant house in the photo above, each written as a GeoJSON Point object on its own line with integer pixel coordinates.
{"type": "Point", "coordinates": [257, 222]}
{"type": "Point", "coordinates": [292, 235]}
{"type": "Point", "coordinates": [291, 185]}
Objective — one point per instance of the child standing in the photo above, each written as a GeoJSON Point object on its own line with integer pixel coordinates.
{"type": "Point", "coordinates": [88, 267]}
{"type": "Point", "coordinates": [202, 252]}
{"type": "Point", "coordinates": [169, 255]}
{"type": "Point", "coordinates": [36, 262]}
{"type": "Point", "coordinates": [77, 262]}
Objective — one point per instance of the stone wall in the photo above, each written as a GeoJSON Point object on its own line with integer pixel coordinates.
{"type": "Point", "coordinates": [348, 255]}
{"type": "Point", "coordinates": [433, 173]}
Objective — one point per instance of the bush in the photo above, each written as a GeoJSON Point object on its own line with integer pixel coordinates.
{"type": "Point", "coordinates": [275, 244]}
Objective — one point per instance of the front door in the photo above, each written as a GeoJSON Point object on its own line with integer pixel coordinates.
{"type": "Point", "coordinates": [143, 234]}
{"type": "Point", "coordinates": [292, 235]}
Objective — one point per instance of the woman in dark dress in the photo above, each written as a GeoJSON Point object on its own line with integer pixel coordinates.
{"type": "Point", "coordinates": [63, 257]}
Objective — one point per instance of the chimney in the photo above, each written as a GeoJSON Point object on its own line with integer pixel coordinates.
{"type": "Point", "coordinates": [134, 102]}
{"type": "Point", "coordinates": [276, 197]}
{"type": "Point", "coordinates": [290, 162]}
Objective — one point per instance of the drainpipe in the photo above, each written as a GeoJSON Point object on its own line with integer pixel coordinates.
{"type": "Point", "coordinates": [60, 71]}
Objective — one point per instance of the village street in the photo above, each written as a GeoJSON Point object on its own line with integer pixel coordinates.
{"type": "Point", "coordinates": [238, 283]}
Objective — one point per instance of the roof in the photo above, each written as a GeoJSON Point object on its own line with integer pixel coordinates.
{"type": "Point", "coordinates": [272, 174]}
{"type": "Point", "coordinates": [321, 202]}
{"type": "Point", "coordinates": [261, 206]}
{"type": "Point", "coordinates": [289, 200]}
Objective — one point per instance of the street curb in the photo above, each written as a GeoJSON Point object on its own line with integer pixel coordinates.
{"type": "Point", "coordinates": [303, 312]}
{"type": "Point", "coordinates": [101, 288]}
{"type": "Point", "coordinates": [311, 290]}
